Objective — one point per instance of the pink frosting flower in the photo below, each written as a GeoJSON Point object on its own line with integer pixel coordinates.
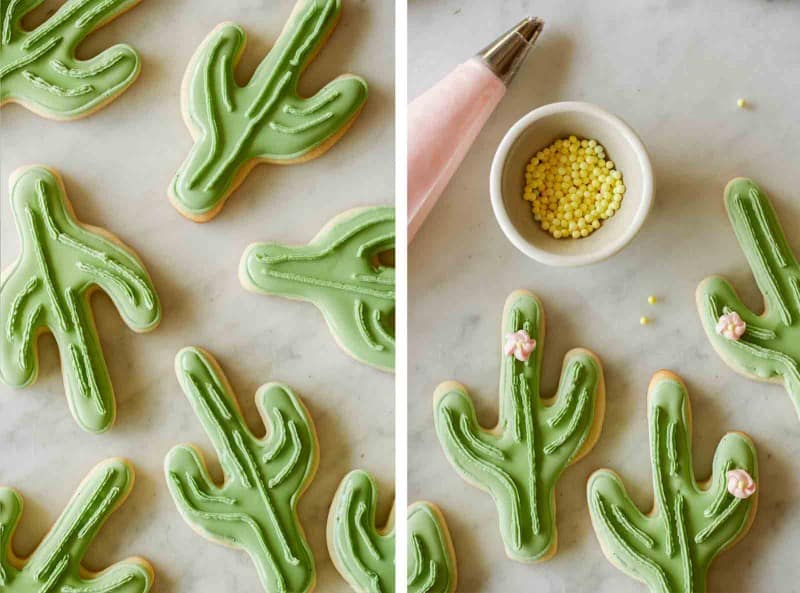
{"type": "Point", "coordinates": [740, 484]}
{"type": "Point", "coordinates": [519, 344]}
{"type": "Point", "coordinates": [731, 326]}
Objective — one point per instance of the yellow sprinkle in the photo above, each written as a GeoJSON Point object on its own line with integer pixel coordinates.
{"type": "Point", "coordinates": [741, 103]}
{"type": "Point", "coordinates": [572, 186]}
{"type": "Point", "coordinates": [651, 299]}
{"type": "Point", "coordinates": [644, 320]}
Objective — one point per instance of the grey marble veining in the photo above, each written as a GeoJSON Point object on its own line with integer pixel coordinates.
{"type": "Point", "coordinates": [117, 165]}
{"type": "Point", "coordinates": [673, 70]}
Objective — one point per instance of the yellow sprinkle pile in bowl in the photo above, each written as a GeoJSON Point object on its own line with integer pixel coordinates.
{"type": "Point", "coordinates": [572, 187]}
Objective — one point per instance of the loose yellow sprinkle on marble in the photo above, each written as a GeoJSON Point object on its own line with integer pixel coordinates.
{"type": "Point", "coordinates": [644, 320]}
{"type": "Point", "coordinates": [741, 103]}
{"type": "Point", "coordinates": [573, 187]}
{"type": "Point", "coordinates": [651, 299]}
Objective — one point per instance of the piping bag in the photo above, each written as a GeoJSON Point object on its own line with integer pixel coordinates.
{"type": "Point", "coordinates": [444, 121]}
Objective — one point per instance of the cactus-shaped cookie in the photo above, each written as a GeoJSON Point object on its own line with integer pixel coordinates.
{"type": "Point", "coordinates": [362, 553]}
{"type": "Point", "coordinates": [769, 347]}
{"type": "Point", "coordinates": [670, 548]}
{"type": "Point", "coordinates": [235, 127]}
{"type": "Point", "coordinates": [49, 286]}
{"type": "Point", "coordinates": [341, 272]}
{"type": "Point", "coordinates": [256, 508]}
{"type": "Point", "coordinates": [39, 70]}
{"type": "Point", "coordinates": [431, 558]}
{"type": "Point", "coordinates": [55, 566]}
{"type": "Point", "coordinates": [521, 459]}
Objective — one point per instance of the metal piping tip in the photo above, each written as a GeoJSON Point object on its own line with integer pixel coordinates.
{"type": "Point", "coordinates": [506, 53]}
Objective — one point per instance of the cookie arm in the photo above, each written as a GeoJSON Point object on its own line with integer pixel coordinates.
{"type": "Point", "coordinates": [478, 456]}
{"type": "Point", "coordinates": [364, 557]}
{"type": "Point", "coordinates": [86, 378]}
{"type": "Point", "coordinates": [627, 536]}
{"type": "Point", "coordinates": [57, 559]}
{"type": "Point", "coordinates": [762, 350]}
{"type": "Point", "coordinates": [566, 424]}
{"type": "Point", "coordinates": [726, 516]}
{"type": "Point", "coordinates": [764, 244]}
{"type": "Point", "coordinates": [431, 561]}
{"type": "Point", "coordinates": [301, 125]}
{"type": "Point", "coordinates": [42, 71]}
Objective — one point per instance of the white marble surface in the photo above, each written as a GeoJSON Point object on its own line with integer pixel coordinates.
{"type": "Point", "coordinates": [673, 70]}
{"type": "Point", "coordinates": [117, 165]}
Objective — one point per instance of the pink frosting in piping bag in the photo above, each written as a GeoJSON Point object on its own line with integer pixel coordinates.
{"type": "Point", "coordinates": [444, 121]}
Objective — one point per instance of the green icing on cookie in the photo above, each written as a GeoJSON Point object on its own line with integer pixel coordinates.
{"type": "Point", "coordinates": [671, 548]}
{"type": "Point", "coordinates": [770, 348]}
{"type": "Point", "coordinates": [39, 70]}
{"type": "Point", "coordinates": [256, 508]}
{"type": "Point", "coordinates": [520, 461]}
{"type": "Point", "coordinates": [55, 566]}
{"type": "Point", "coordinates": [431, 560]}
{"type": "Point", "coordinates": [363, 555]}
{"type": "Point", "coordinates": [48, 288]}
{"type": "Point", "coordinates": [341, 273]}
{"type": "Point", "coordinates": [264, 120]}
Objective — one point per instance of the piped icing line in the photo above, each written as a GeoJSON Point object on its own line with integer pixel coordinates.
{"type": "Point", "coordinates": [337, 272]}
{"type": "Point", "coordinates": [672, 448]}
{"type": "Point", "coordinates": [718, 521]}
{"type": "Point", "coordinates": [722, 494]}
{"type": "Point", "coordinates": [56, 564]}
{"type": "Point", "coordinates": [87, 17]}
{"type": "Point", "coordinates": [311, 123]}
{"type": "Point", "coordinates": [631, 528]}
{"type": "Point", "coordinates": [39, 70]}
{"type": "Point", "coordinates": [686, 560]}
{"type": "Point", "coordinates": [762, 220]}
{"type": "Point", "coordinates": [194, 488]}
{"type": "Point", "coordinates": [476, 443]}
{"type": "Point", "coordinates": [768, 349]}
{"type": "Point", "coordinates": [279, 436]}
{"type": "Point", "coordinates": [599, 512]}
{"type": "Point", "coordinates": [42, 83]}
{"type": "Point", "coordinates": [701, 521]}
{"type": "Point", "coordinates": [80, 352]}
{"type": "Point", "coordinates": [255, 509]}
{"type": "Point", "coordinates": [319, 103]}
{"type": "Point", "coordinates": [361, 322]}
{"type": "Point", "coordinates": [265, 120]}
{"type": "Point", "coordinates": [561, 414]}
{"type": "Point", "coordinates": [518, 463]}
{"type": "Point", "coordinates": [26, 342]}
{"type": "Point", "coordinates": [658, 476]}
{"type": "Point", "coordinates": [28, 60]}
{"type": "Point", "coordinates": [48, 288]}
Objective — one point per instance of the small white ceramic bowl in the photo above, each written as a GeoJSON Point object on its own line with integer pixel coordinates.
{"type": "Point", "coordinates": [539, 129]}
